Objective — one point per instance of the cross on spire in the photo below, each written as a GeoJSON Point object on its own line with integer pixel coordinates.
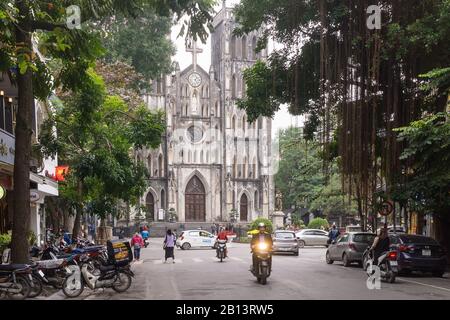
{"type": "Point", "coordinates": [192, 47]}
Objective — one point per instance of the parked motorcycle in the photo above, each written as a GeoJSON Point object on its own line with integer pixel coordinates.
{"type": "Point", "coordinates": [262, 264]}
{"type": "Point", "coordinates": [387, 265]}
{"type": "Point", "coordinates": [221, 249]}
{"type": "Point", "coordinates": [106, 276]}
{"type": "Point", "coordinates": [15, 281]}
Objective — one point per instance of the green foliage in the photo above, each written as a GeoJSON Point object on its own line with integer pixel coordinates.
{"type": "Point", "coordinates": [32, 238]}
{"type": "Point", "coordinates": [5, 240]}
{"type": "Point", "coordinates": [426, 157]}
{"type": "Point", "coordinates": [316, 223]}
{"type": "Point", "coordinates": [267, 222]}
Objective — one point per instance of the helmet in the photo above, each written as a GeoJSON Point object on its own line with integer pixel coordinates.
{"type": "Point", "coordinates": [261, 225]}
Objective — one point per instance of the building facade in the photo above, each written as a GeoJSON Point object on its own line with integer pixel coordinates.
{"type": "Point", "coordinates": [212, 164]}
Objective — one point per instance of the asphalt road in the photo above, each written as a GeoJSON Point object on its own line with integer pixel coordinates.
{"type": "Point", "coordinates": [198, 275]}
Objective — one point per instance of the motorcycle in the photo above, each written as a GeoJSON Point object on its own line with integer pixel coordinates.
{"type": "Point", "coordinates": [262, 264]}
{"type": "Point", "coordinates": [387, 265]}
{"type": "Point", "coordinates": [15, 281]}
{"type": "Point", "coordinates": [105, 276]}
{"type": "Point", "coordinates": [146, 242]}
{"type": "Point", "coordinates": [221, 249]}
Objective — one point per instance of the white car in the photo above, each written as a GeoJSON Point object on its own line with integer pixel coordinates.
{"type": "Point", "coordinates": [312, 237]}
{"type": "Point", "coordinates": [196, 239]}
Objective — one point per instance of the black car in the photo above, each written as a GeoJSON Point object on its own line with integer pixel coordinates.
{"type": "Point", "coordinates": [418, 253]}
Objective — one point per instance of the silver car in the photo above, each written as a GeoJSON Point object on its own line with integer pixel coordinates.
{"type": "Point", "coordinates": [285, 241]}
{"type": "Point", "coordinates": [312, 237]}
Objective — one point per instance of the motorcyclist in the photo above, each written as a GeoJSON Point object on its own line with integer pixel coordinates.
{"type": "Point", "coordinates": [380, 244]}
{"type": "Point", "coordinates": [223, 235]}
{"type": "Point", "coordinates": [261, 236]}
{"type": "Point", "coordinates": [144, 235]}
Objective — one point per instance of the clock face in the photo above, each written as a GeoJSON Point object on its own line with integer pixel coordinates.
{"type": "Point", "coordinates": [195, 79]}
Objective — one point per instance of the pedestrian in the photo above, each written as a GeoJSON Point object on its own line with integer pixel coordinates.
{"type": "Point", "coordinates": [137, 243]}
{"type": "Point", "coordinates": [213, 229]}
{"type": "Point", "coordinates": [169, 244]}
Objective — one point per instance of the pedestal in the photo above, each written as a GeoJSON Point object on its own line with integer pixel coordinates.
{"type": "Point", "coordinates": [278, 219]}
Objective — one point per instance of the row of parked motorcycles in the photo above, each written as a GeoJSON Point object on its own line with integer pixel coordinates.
{"type": "Point", "coordinates": [68, 268]}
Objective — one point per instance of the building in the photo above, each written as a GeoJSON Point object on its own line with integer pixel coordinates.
{"type": "Point", "coordinates": [212, 163]}
{"type": "Point", "coordinates": [41, 185]}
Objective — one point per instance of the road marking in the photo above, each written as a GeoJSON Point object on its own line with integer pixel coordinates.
{"type": "Point", "coordinates": [197, 260]}
{"type": "Point", "coordinates": [424, 284]}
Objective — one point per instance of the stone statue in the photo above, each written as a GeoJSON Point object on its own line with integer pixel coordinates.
{"type": "Point", "coordinates": [278, 201]}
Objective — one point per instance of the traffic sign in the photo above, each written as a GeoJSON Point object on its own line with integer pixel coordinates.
{"type": "Point", "coordinates": [386, 208]}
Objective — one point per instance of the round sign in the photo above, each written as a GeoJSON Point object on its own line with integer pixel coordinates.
{"type": "Point", "coordinates": [386, 208]}
{"type": "Point", "coordinates": [2, 192]}
{"type": "Point", "coordinates": [34, 196]}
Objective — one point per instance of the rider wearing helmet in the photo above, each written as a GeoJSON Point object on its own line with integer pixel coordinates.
{"type": "Point", "coordinates": [261, 236]}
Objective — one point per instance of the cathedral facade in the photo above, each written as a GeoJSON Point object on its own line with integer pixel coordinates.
{"type": "Point", "coordinates": [212, 165]}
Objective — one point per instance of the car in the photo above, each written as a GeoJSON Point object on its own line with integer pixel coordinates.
{"type": "Point", "coordinates": [418, 253]}
{"type": "Point", "coordinates": [196, 239]}
{"type": "Point", "coordinates": [349, 248]}
{"type": "Point", "coordinates": [285, 241]}
{"type": "Point", "coordinates": [312, 237]}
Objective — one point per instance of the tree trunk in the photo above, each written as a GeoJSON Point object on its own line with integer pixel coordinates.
{"type": "Point", "coordinates": [23, 132]}
{"type": "Point", "coordinates": [77, 223]}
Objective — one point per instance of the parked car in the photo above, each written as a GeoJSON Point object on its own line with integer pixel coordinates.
{"type": "Point", "coordinates": [285, 241]}
{"type": "Point", "coordinates": [349, 248]}
{"type": "Point", "coordinates": [418, 253]}
{"type": "Point", "coordinates": [196, 239]}
{"type": "Point", "coordinates": [312, 237]}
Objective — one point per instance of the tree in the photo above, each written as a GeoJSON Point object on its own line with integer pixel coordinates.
{"type": "Point", "coordinates": [317, 223]}
{"type": "Point", "coordinates": [354, 85]}
{"type": "Point", "coordinates": [75, 50]}
{"type": "Point", "coordinates": [95, 142]}
{"type": "Point", "coordinates": [267, 223]}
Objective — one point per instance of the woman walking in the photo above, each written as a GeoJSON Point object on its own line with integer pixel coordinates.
{"type": "Point", "coordinates": [137, 243]}
{"type": "Point", "coordinates": [169, 244]}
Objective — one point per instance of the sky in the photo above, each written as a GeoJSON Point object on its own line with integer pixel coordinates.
{"type": "Point", "coordinates": [282, 118]}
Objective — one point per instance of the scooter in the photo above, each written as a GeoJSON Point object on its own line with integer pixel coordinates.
{"type": "Point", "coordinates": [387, 265]}
{"type": "Point", "coordinates": [106, 276]}
{"type": "Point", "coordinates": [146, 242]}
{"type": "Point", "coordinates": [15, 281]}
{"type": "Point", "coordinates": [262, 264]}
{"type": "Point", "coordinates": [221, 249]}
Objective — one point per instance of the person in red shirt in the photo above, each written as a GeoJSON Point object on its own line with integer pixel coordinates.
{"type": "Point", "coordinates": [223, 236]}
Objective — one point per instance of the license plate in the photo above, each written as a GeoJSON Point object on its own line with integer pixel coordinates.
{"type": "Point", "coordinates": [394, 263]}
{"type": "Point", "coordinates": [284, 249]}
{"type": "Point", "coordinates": [41, 274]}
{"type": "Point", "coordinates": [426, 252]}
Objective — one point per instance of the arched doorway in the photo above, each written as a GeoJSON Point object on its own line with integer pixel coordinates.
{"type": "Point", "coordinates": [195, 199]}
{"type": "Point", "coordinates": [243, 212]}
{"type": "Point", "coordinates": [150, 205]}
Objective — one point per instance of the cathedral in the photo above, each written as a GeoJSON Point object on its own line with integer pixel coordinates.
{"type": "Point", "coordinates": [212, 165]}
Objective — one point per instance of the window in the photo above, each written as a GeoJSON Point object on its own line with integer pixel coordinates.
{"type": "Point", "coordinates": [254, 43]}
{"type": "Point", "coordinates": [308, 233]}
{"type": "Point", "coordinates": [194, 234]}
{"type": "Point", "coordinates": [233, 123]}
{"type": "Point", "coordinates": [160, 165]}
{"type": "Point", "coordinates": [233, 47]}
{"type": "Point", "coordinates": [9, 117]}
{"type": "Point", "coordinates": [344, 238]}
{"type": "Point", "coordinates": [163, 199]}
{"type": "Point", "coordinates": [285, 235]}
{"type": "Point", "coordinates": [149, 164]}
{"type": "Point", "coordinates": [364, 238]}
{"type": "Point", "coordinates": [233, 87]}
{"type": "Point", "coordinates": [244, 48]}
{"type": "Point", "coordinates": [204, 234]}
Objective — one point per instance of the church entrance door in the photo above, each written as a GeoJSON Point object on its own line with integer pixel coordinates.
{"type": "Point", "coordinates": [243, 208]}
{"type": "Point", "coordinates": [150, 204]}
{"type": "Point", "coordinates": [195, 199]}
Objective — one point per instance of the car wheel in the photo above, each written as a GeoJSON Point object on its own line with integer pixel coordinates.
{"type": "Point", "coordinates": [345, 260]}
{"type": "Point", "coordinates": [438, 274]}
{"type": "Point", "coordinates": [328, 258]}
{"type": "Point", "coordinates": [365, 262]}
{"type": "Point", "coordinates": [186, 246]}
{"type": "Point", "coordinates": [301, 244]}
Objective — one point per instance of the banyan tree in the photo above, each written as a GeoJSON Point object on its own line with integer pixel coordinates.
{"type": "Point", "coordinates": [354, 83]}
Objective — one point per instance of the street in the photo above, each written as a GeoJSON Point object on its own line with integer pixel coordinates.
{"type": "Point", "coordinates": [198, 275]}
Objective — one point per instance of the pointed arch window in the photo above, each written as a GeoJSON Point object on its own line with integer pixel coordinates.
{"type": "Point", "coordinates": [149, 164]}
{"type": "Point", "coordinates": [233, 86]}
{"type": "Point", "coordinates": [233, 47]}
{"type": "Point", "coordinates": [254, 44]}
{"type": "Point", "coordinates": [244, 48]}
{"type": "Point", "coordinates": [160, 165]}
